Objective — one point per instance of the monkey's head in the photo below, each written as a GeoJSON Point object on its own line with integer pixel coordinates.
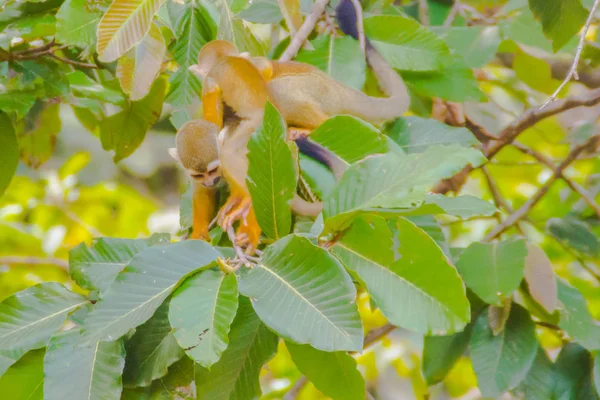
{"type": "Point", "coordinates": [211, 53]}
{"type": "Point", "coordinates": [197, 150]}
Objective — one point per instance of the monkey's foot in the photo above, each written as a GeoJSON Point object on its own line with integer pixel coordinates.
{"type": "Point", "coordinates": [248, 236]}
{"type": "Point", "coordinates": [234, 209]}
{"type": "Point", "coordinates": [200, 234]}
{"type": "Point", "coordinates": [294, 134]}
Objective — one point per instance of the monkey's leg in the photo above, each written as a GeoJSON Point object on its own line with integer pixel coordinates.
{"type": "Point", "coordinates": [212, 102]}
{"type": "Point", "coordinates": [203, 210]}
{"type": "Point", "coordinates": [248, 233]}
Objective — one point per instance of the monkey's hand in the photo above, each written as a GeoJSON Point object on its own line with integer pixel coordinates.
{"type": "Point", "coordinates": [248, 234]}
{"type": "Point", "coordinates": [235, 208]}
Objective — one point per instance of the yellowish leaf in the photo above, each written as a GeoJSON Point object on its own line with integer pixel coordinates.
{"type": "Point", "coordinates": [124, 25]}
{"type": "Point", "coordinates": [540, 278]}
{"type": "Point", "coordinates": [291, 12]}
{"type": "Point", "coordinates": [125, 70]}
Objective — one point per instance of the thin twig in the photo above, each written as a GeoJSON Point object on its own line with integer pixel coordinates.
{"type": "Point", "coordinates": [529, 204]}
{"type": "Point", "coordinates": [295, 390]}
{"type": "Point", "coordinates": [495, 191]}
{"type": "Point", "coordinates": [74, 63]}
{"type": "Point", "coordinates": [287, 17]}
{"type": "Point", "coordinates": [453, 11]}
{"type": "Point", "coordinates": [577, 188]}
{"type": "Point", "coordinates": [309, 24]}
{"type": "Point", "coordinates": [32, 260]}
{"type": "Point", "coordinates": [424, 12]}
{"type": "Point", "coordinates": [573, 70]}
{"type": "Point", "coordinates": [359, 25]}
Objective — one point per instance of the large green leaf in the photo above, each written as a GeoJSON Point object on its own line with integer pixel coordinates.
{"type": "Point", "coordinates": [169, 387]}
{"type": "Point", "coordinates": [139, 67]}
{"type": "Point", "coordinates": [561, 19]}
{"type": "Point", "coordinates": [143, 285]}
{"type": "Point", "coordinates": [233, 30]}
{"type": "Point", "coordinates": [422, 278]}
{"type": "Point", "coordinates": [76, 25]}
{"type": "Point", "coordinates": [271, 175]}
{"type": "Point", "coordinates": [406, 44]}
{"type": "Point", "coordinates": [360, 139]}
{"type": "Point", "coordinates": [80, 372]}
{"type": "Point", "coordinates": [82, 85]}
{"type": "Point", "coordinates": [151, 350]}
{"type": "Point", "coordinates": [37, 134]}
{"type": "Point", "coordinates": [304, 294]}
{"type": "Point", "coordinates": [341, 58]}
{"type": "Point", "coordinates": [575, 318]}
{"type": "Point", "coordinates": [597, 372]}
{"type": "Point", "coordinates": [440, 353]}
{"type": "Point", "coordinates": [415, 134]}
{"type": "Point", "coordinates": [124, 25]}
{"type": "Point", "coordinates": [9, 357]}
{"type": "Point", "coordinates": [25, 379]}
{"type": "Point", "coordinates": [262, 12]}
{"type": "Point", "coordinates": [573, 374]}
{"type": "Point", "coordinates": [493, 270]}
{"type": "Point", "coordinates": [28, 318]}
{"type": "Point", "coordinates": [477, 45]}
{"type": "Point", "coordinates": [194, 28]}
{"type": "Point", "coordinates": [96, 267]}
{"type": "Point", "coordinates": [575, 234]}
{"type": "Point", "coordinates": [201, 313]}
{"type": "Point", "coordinates": [539, 382]}
{"type": "Point", "coordinates": [334, 374]}
{"type": "Point", "coordinates": [9, 152]}
{"type": "Point", "coordinates": [124, 132]}
{"type": "Point", "coordinates": [235, 375]}
{"type": "Point", "coordinates": [394, 181]}
{"type": "Point", "coordinates": [502, 361]}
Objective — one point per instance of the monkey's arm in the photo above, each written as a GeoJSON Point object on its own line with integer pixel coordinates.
{"type": "Point", "coordinates": [212, 102]}
{"type": "Point", "coordinates": [203, 210]}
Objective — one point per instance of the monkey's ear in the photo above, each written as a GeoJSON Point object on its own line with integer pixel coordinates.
{"type": "Point", "coordinates": [173, 153]}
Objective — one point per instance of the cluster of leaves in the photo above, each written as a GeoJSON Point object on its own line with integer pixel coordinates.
{"type": "Point", "coordinates": [156, 318]}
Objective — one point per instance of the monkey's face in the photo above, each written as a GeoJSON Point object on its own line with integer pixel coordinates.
{"type": "Point", "coordinates": [210, 177]}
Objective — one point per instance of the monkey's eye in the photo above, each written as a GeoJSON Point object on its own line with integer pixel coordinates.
{"type": "Point", "coordinates": [213, 171]}
{"type": "Point", "coordinates": [198, 176]}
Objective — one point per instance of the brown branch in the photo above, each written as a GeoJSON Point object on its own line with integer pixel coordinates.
{"type": "Point", "coordinates": [424, 12]}
{"type": "Point", "coordinates": [74, 63]}
{"type": "Point", "coordinates": [495, 191]}
{"type": "Point", "coordinates": [573, 70]}
{"type": "Point", "coordinates": [316, 10]}
{"type": "Point", "coordinates": [295, 390]}
{"type": "Point", "coordinates": [529, 204]}
{"type": "Point", "coordinates": [587, 197]}
{"type": "Point", "coordinates": [512, 131]}
{"type": "Point", "coordinates": [32, 260]}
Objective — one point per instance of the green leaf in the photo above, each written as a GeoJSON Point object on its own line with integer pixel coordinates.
{"type": "Point", "coordinates": [76, 25]}
{"type": "Point", "coordinates": [575, 234]}
{"type": "Point", "coordinates": [539, 382]}
{"type": "Point", "coordinates": [151, 350]}
{"type": "Point", "coordinates": [333, 374]}
{"type": "Point", "coordinates": [561, 19]}
{"type": "Point", "coordinates": [28, 318]}
{"type": "Point", "coordinates": [96, 267]}
{"type": "Point", "coordinates": [501, 362]}
{"type": "Point", "coordinates": [123, 26]}
{"type": "Point", "coordinates": [194, 29]}
{"type": "Point", "coordinates": [9, 152]}
{"type": "Point", "coordinates": [460, 206]}
{"type": "Point", "coordinates": [540, 278]}
{"type": "Point", "coordinates": [575, 318]}
{"type": "Point", "coordinates": [415, 134]}
{"type": "Point", "coordinates": [124, 132]}
{"type": "Point", "coordinates": [201, 313]}
{"type": "Point", "coordinates": [139, 67]}
{"type": "Point", "coordinates": [454, 82]}
{"type": "Point", "coordinates": [393, 181]}
{"type": "Point", "coordinates": [597, 372]}
{"type": "Point", "coordinates": [341, 58]}
{"type": "Point", "coordinates": [535, 73]}
{"type": "Point", "coordinates": [296, 272]}
{"type": "Point", "coordinates": [143, 285]}
{"type": "Point", "coordinates": [493, 270]}
{"type": "Point", "coordinates": [406, 44]}
{"type": "Point", "coordinates": [477, 45]}
{"type": "Point", "coordinates": [233, 30]}
{"type": "Point", "coordinates": [17, 103]}
{"type": "Point", "coordinates": [235, 375]}
{"type": "Point", "coordinates": [9, 357]}
{"type": "Point", "coordinates": [78, 372]}
{"type": "Point", "coordinates": [37, 133]}
{"type": "Point", "coordinates": [360, 139]}
{"type": "Point", "coordinates": [262, 12]}
{"type": "Point", "coordinates": [524, 29]}
{"type": "Point", "coordinates": [271, 175]}
{"type": "Point", "coordinates": [573, 374]}
{"type": "Point", "coordinates": [440, 353]}
{"type": "Point", "coordinates": [83, 86]}
{"type": "Point", "coordinates": [25, 379]}
{"type": "Point", "coordinates": [320, 179]}
{"type": "Point", "coordinates": [438, 302]}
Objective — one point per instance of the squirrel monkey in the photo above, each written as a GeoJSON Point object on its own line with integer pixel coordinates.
{"type": "Point", "coordinates": [200, 153]}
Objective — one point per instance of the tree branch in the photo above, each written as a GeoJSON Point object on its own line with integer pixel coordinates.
{"type": "Point", "coordinates": [32, 260]}
{"type": "Point", "coordinates": [74, 63]}
{"type": "Point", "coordinates": [316, 10]}
{"type": "Point", "coordinates": [587, 197]}
{"type": "Point", "coordinates": [529, 204]}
